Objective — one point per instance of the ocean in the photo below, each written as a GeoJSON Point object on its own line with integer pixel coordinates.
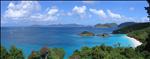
{"type": "Point", "coordinates": [34, 38]}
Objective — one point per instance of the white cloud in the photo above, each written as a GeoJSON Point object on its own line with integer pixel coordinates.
{"type": "Point", "coordinates": [113, 15]}
{"type": "Point", "coordinates": [29, 11]}
{"type": "Point", "coordinates": [11, 5]}
{"type": "Point", "coordinates": [69, 13]}
{"type": "Point", "coordinates": [51, 15]}
{"type": "Point", "coordinates": [52, 11]}
{"type": "Point", "coordinates": [131, 9]}
{"type": "Point", "coordinates": [22, 9]}
{"type": "Point", "coordinates": [79, 10]}
{"type": "Point", "coordinates": [100, 12]}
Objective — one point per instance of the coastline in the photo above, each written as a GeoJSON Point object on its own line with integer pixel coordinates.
{"type": "Point", "coordinates": [134, 41]}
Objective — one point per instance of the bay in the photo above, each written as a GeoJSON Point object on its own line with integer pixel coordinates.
{"type": "Point", "coordinates": [34, 38]}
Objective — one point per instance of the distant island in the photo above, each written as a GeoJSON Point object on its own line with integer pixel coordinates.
{"type": "Point", "coordinates": [103, 35]}
{"type": "Point", "coordinates": [60, 25]}
{"type": "Point", "coordinates": [66, 25]}
{"type": "Point", "coordinates": [107, 25]}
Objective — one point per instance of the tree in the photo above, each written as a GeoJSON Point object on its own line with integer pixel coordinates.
{"type": "Point", "coordinates": [44, 53]}
{"type": "Point", "coordinates": [34, 55]}
{"type": "Point", "coordinates": [16, 53]}
{"type": "Point", "coordinates": [4, 53]}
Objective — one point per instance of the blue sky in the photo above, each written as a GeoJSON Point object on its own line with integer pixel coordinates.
{"type": "Point", "coordinates": [24, 13]}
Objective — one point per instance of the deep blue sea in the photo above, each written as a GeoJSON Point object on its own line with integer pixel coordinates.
{"type": "Point", "coordinates": [34, 38]}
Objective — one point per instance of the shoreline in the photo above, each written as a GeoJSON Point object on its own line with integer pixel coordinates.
{"type": "Point", "coordinates": [134, 41]}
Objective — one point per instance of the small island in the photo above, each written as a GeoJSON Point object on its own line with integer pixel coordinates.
{"type": "Point", "coordinates": [86, 33]}
{"type": "Point", "coordinates": [103, 35]}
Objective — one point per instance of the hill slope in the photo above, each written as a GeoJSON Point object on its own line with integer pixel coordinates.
{"type": "Point", "coordinates": [126, 24]}
{"type": "Point", "coordinates": [131, 28]}
{"type": "Point", "coordinates": [139, 31]}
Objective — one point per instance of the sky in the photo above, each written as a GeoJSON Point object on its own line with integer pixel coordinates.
{"type": "Point", "coordinates": [26, 13]}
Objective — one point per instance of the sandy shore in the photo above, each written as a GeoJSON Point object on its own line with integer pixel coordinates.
{"type": "Point", "coordinates": [135, 42]}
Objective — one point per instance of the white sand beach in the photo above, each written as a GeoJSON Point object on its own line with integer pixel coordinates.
{"type": "Point", "coordinates": [135, 42]}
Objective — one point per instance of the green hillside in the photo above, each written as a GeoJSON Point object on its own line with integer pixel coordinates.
{"type": "Point", "coordinates": [140, 35]}
{"type": "Point", "coordinates": [139, 31]}
{"type": "Point", "coordinates": [131, 28]}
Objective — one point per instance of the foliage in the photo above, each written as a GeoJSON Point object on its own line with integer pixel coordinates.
{"type": "Point", "coordinates": [141, 35]}
{"type": "Point", "coordinates": [4, 53]}
{"type": "Point", "coordinates": [145, 48]}
{"type": "Point", "coordinates": [106, 52]}
{"type": "Point", "coordinates": [53, 53]}
{"type": "Point", "coordinates": [13, 53]}
{"type": "Point", "coordinates": [34, 55]}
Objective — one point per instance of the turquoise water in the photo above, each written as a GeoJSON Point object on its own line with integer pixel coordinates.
{"type": "Point", "coordinates": [34, 38]}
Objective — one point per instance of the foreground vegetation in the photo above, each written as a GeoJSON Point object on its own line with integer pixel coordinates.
{"type": "Point", "coordinates": [106, 52]}
{"type": "Point", "coordinates": [13, 53]}
{"type": "Point", "coordinates": [44, 53]}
